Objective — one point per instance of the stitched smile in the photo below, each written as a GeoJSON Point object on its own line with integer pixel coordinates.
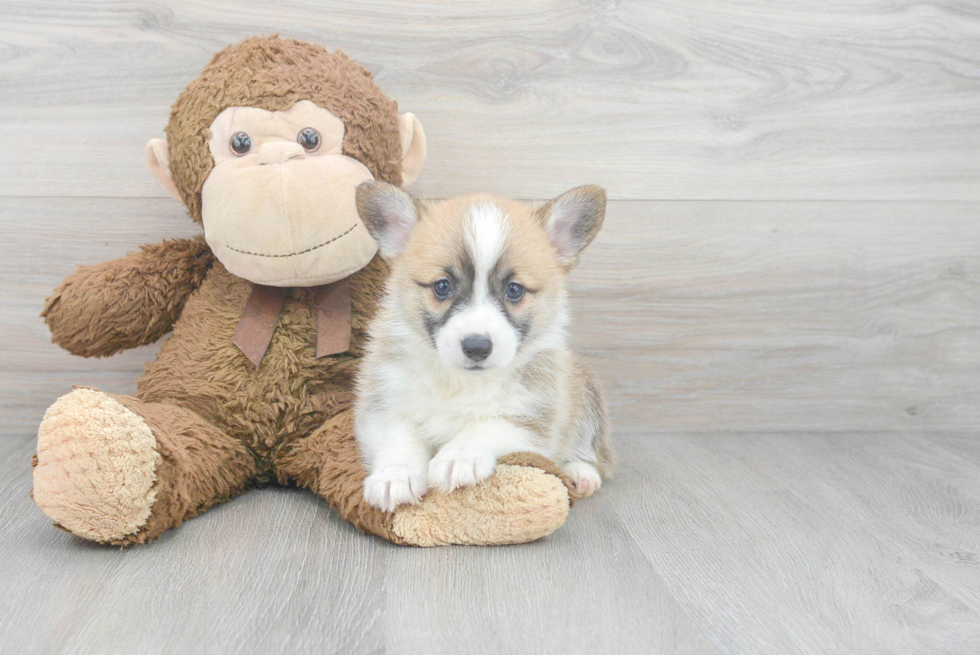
{"type": "Point", "coordinates": [301, 252]}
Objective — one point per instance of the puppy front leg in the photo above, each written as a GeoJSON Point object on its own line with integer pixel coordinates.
{"type": "Point", "coordinates": [397, 462]}
{"type": "Point", "coordinates": [471, 456]}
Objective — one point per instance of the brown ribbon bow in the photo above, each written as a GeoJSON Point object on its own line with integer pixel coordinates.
{"type": "Point", "coordinates": [261, 313]}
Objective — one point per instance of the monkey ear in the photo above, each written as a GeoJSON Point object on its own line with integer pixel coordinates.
{"type": "Point", "coordinates": [157, 156]}
{"type": "Point", "coordinates": [413, 147]}
{"type": "Point", "coordinates": [389, 214]}
{"type": "Point", "coordinates": [573, 219]}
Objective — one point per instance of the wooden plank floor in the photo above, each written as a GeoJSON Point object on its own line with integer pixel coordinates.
{"type": "Point", "coordinates": [813, 99]}
{"type": "Point", "coordinates": [748, 316]}
{"type": "Point", "coordinates": [784, 306]}
{"type": "Point", "coordinates": [705, 543]}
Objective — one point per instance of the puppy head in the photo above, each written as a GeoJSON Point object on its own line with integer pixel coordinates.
{"type": "Point", "coordinates": [481, 278]}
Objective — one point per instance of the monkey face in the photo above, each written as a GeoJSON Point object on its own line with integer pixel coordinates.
{"type": "Point", "coordinates": [278, 206]}
{"type": "Point", "coordinates": [266, 147]}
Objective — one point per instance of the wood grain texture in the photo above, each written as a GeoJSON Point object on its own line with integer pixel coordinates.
{"type": "Point", "coordinates": [785, 316]}
{"type": "Point", "coordinates": [655, 100]}
{"type": "Point", "coordinates": [800, 544]}
{"type": "Point", "coordinates": [286, 578]}
{"type": "Point", "coordinates": [698, 316]}
{"type": "Point", "coordinates": [711, 543]}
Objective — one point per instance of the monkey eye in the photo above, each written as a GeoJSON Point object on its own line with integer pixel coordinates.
{"type": "Point", "coordinates": [309, 139]}
{"type": "Point", "coordinates": [240, 144]}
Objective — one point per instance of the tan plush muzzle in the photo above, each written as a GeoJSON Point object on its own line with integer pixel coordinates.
{"type": "Point", "coordinates": [285, 219]}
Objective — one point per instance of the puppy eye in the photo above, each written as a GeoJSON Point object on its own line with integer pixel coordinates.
{"type": "Point", "coordinates": [309, 139]}
{"type": "Point", "coordinates": [515, 291]}
{"type": "Point", "coordinates": [441, 289]}
{"type": "Point", "coordinates": [240, 144]}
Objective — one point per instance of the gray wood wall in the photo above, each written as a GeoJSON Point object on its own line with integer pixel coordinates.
{"type": "Point", "coordinates": [794, 237]}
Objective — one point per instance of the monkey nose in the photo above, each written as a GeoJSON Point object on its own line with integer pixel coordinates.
{"type": "Point", "coordinates": [277, 152]}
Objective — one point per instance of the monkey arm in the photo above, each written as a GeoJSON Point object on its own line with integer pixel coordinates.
{"type": "Point", "coordinates": [124, 303]}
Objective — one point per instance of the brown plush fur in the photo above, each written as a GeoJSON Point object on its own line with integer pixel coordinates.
{"type": "Point", "coordinates": [220, 422]}
{"type": "Point", "coordinates": [126, 303]}
{"type": "Point", "coordinates": [199, 466]}
{"type": "Point", "coordinates": [274, 74]}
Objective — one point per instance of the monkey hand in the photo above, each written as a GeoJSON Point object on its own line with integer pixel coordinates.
{"type": "Point", "coordinates": [105, 308]}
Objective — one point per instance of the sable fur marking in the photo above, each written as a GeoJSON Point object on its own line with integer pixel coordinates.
{"type": "Point", "coordinates": [461, 276]}
{"type": "Point", "coordinates": [432, 413]}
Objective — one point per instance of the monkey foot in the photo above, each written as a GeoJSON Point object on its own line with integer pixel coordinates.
{"type": "Point", "coordinates": [517, 504]}
{"type": "Point", "coordinates": [95, 467]}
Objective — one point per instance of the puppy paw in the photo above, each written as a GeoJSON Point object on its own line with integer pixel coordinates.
{"type": "Point", "coordinates": [585, 477]}
{"type": "Point", "coordinates": [392, 486]}
{"type": "Point", "coordinates": [452, 468]}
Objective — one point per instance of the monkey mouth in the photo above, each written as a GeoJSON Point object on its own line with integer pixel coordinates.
{"type": "Point", "coordinates": [300, 252]}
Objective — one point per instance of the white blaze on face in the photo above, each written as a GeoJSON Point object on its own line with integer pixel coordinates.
{"type": "Point", "coordinates": [485, 241]}
{"type": "Point", "coordinates": [481, 314]}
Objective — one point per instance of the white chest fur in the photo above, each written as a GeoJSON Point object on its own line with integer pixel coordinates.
{"type": "Point", "coordinates": [439, 402]}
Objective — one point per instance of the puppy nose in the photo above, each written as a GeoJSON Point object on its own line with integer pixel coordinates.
{"type": "Point", "coordinates": [276, 152]}
{"type": "Point", "coordinates": [477, 347]}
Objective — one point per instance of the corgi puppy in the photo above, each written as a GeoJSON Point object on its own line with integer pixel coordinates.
{"type": "Point", "coordinates": [467, 359]}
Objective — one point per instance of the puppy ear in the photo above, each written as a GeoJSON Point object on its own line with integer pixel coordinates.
{"type": "Point", "coordinates": [572, 221]}
{"type": "Point", "coordinates": [389, 215]}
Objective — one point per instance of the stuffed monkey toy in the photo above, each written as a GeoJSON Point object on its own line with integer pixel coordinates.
{"type": "Point", "coordinates": [268, 312]}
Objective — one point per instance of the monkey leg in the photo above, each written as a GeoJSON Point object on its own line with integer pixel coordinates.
{"type": "Point", "coordinates": [527, 497]}
{"type": "Point", "coordinates": [116, 470]}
